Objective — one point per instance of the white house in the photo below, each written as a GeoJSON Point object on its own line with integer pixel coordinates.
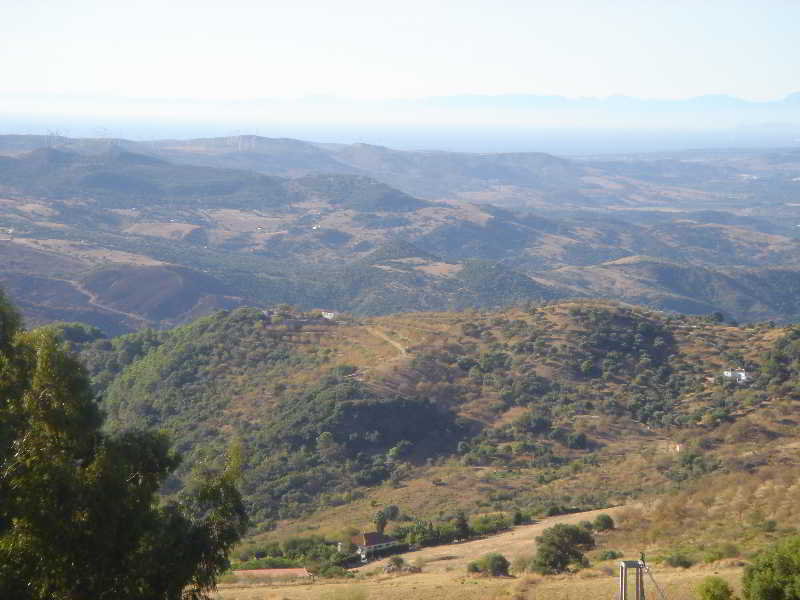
{"type": "Point", "coordinates": [740, 375]}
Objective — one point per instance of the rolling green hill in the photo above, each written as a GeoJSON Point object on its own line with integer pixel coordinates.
{"type": "Point", "coordinates": [328, 411]}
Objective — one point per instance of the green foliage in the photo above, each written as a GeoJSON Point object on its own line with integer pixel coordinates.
{"type": "Point", "coordinates": [726, 550]}
{"type": "Point", "coordinates": [609, 555]}
{"type": "Point", "coordinates": [316, 553]}
{"type": "Point", "coordinates": [307, 446]}
{"type": "Point", "coordinates": [380, 521]}
{"type": "Point", "coordinates": [269, 562]}
{"type": "Point", "coordinates": [492, 564]}
{"type": "Point", "coordinates": [10, 322]}
{"type": "Point", "coordinates": [559, 546]}
{"type": "Point", "coordinates": [714, 588]}
{"type": "Point", "coordinates": [78, 510]}
{"type": "Point", "coordinates": [782, 362]}
{"type": "Point", "coordinates": [603, 522]}
{"type": "Point", "coordinates": [317, 441]}
{"type": "Point", "coordinates": [461, 526]}
{"type": "Point", "coordinates": [769, 525]}
{"type": "Point", "coordinates": [690, 464]}
{"type": "Point", "coordinates": [774, 574]}
{"type": "Point", "coordinates": [679, 559]}
{"type": "Point", "coordinates": [76, 334]}
{"type": "Point", "coordinates": [489, 524]}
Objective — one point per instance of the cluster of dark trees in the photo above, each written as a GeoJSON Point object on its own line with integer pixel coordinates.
{"type": "Point", "coordinates": [79, 508]}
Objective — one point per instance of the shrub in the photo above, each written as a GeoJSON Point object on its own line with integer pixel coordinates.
{"type": "Point", "coordinates": [396, 561]}
{"type": "Point", "coordinates": [493, 564]}
{"type": "Point", "coordinates": [559, 546]}
{"type": "Point", "coordinates": [679, 559]}
{"type": "Point", "coordinates": [714, 588]}
{"type": "Point", "coordinates": [269, 562]}
{"type": "Point", "coordinates": [488, 524]}
{"type": "Point", "coordinates": [603, 522]}
{"type": "Point", "coordinates": [587, 525]}
{"type": "Point", "coordinates": [334, 571]}
{"type": "Point", "coordinates": [775, 572]}
{"type": "Point", "coordinates": [769, 525]}
{"type": "Point", "coordinates": [343, 370]}
{"type": "Point", "coordinates": [609, 555]}
{"type": "Point", "coordinates": [722, 551]}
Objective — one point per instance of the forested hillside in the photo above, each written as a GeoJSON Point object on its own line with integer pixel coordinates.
{"type": "Point", "coordinates": [327, 410]}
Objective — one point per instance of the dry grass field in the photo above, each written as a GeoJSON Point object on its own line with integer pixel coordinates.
{"type": "Point", "coordinates": [677, 584]}
{"type": "Point", "coordinates": [444, 576]}
{"type": "Point", "coordinates": [519, 541]}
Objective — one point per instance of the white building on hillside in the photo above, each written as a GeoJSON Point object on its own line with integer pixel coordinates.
{"type": "Point", "coordinates": [740, 375]}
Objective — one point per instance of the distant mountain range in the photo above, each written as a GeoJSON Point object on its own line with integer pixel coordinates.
{"type": "Point", "coordinates": [125, 234]}
{"type": "Point", "coordinates": [481, 123]}
{"type": "Point", "coordinates": [614, 102]}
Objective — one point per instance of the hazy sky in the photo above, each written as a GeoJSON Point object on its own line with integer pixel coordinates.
{"type": "Point", "coordinates": [333, 70]}
{"type": "Point", "coordinates": [235, 49]}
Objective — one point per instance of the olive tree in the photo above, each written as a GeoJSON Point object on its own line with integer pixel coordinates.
{"type": "Point", "coordinates": [559, 546]}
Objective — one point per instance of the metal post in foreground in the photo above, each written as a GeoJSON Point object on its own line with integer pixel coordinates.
{"type": "Point", "coordinates": [623, 579]}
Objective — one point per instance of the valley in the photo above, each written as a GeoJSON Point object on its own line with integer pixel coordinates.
{"type": "Point", "coordinates": [206, 224]}
{"type": "Point", "coordinates": [399, 301]}
{"type": "Point", "coordinates": [547, 342]}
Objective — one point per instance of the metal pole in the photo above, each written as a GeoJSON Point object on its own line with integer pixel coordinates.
{"type": "Point", "coordinates": [639, 584]}
{"type": "Point", "coordinates": [623, 581]}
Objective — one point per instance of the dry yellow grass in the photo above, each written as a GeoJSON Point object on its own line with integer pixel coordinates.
{"type": "Point", "coordinates": [444, 575]}
{"type": "Point", "coordinates": [677, 584]}
{"type": "Point", "coordinates": [520, 540]}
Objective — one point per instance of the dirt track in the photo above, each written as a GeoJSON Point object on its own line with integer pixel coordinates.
{"type": "Point", "coordinates": [400, 348]}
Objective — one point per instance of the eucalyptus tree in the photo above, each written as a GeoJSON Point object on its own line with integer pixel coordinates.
{"type": "Point", "coordinates": [80, 511]}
